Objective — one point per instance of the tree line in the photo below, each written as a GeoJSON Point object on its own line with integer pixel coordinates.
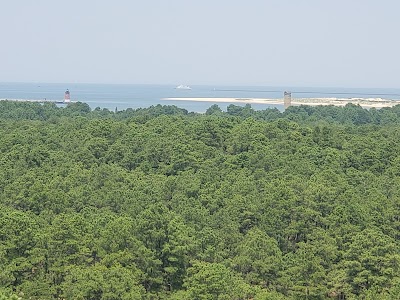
{"type": "Point", "coordinates": [161, 203]}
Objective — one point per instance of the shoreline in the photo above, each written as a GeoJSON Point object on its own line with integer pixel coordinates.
{"type": "Point", "coordinates": [40, 101]}
{"type": "Point", "coordinates": [363, 102]}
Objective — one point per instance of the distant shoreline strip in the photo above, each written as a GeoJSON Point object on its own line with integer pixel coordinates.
{"type": "Point", "coordinates": [39, 101]}
{"type": "Point", "coordinates": [364, 102]}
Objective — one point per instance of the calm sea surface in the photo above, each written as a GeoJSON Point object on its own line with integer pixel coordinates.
{"type": "Point", "coordinates": [123, 96]}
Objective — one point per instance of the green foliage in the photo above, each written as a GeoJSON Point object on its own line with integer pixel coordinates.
{"type": "Point", "coordinates": [214, 281]}
{"type": "Point", "coordinates": [100, 282]}
{"type": "Point", "coordinates": [5, 295]}
{"type": "Point", "coordinates": [159, 203]}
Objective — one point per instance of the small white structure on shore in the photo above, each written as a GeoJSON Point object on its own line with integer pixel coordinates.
{"type": "Point", "coordinates": [67, 96]}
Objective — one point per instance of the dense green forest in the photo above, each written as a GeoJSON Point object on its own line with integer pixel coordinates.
{"type": "Point", "coordinates": [160, 203]}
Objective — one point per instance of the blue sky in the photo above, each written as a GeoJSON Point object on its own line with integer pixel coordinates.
{"type": "Point", "coordinates": [271, 42]}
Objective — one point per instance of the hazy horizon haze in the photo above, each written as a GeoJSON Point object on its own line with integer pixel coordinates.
{"type": "Point", "coordinates": [268, 43]}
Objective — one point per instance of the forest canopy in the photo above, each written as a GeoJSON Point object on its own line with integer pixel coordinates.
{"type": "Point", "coordinates": [161, 203]}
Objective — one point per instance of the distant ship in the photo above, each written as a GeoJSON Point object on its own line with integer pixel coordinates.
{"type": "Point", "coordinates": [183, 87]}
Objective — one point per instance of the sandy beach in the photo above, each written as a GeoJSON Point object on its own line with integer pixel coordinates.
{"type": "Point", "coordinates": [364, 102]}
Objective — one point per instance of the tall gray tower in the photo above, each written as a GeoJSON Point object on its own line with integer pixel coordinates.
{"type": "Point", "coordinates": [287, 99]}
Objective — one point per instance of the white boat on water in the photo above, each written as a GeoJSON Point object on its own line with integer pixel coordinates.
{"type": "Point", "coordinates": [183, 87]}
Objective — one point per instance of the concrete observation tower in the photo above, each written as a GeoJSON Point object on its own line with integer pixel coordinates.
{"type": "Point", "coordinates": [67, 96]}
{"type": "Point", "coordinates": [287, 99]}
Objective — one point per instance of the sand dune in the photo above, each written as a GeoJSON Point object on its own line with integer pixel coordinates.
{"type": "Point", "coordinates": [364, 102]}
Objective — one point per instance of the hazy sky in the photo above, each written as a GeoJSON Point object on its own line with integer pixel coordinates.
{"type": "Point", "coordinates": [343, 43]}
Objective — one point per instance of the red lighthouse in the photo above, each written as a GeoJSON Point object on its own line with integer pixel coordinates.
{"type": "Point", "coordinates": [67, 96]}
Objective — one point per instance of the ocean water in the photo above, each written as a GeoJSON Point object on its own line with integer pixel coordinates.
{"type": "Point", "coordinates": [123, 96]}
